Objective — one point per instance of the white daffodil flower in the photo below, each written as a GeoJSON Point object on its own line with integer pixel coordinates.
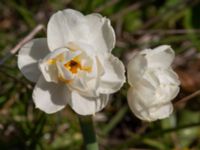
{"type": "Point", "coordinates": [153, 83]}
{"type": "Point", "coordinates": [74, 65]}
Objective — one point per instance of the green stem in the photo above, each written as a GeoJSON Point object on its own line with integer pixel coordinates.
{"type": "Point", "coordinates": [88, 132]}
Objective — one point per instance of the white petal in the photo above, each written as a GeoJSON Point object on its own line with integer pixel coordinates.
{"type": "Point", "coordinates": [169, 85]}
{"type": "Point", "coordinates": [50, 71]}
{"type": "Point", "coordinates": [87, 105]}
{"type": "Point", "coordinates": [167, 76]}
{"type": "Point", "coordinates": [134, 102]}
{"type": "Point", "coordinates": [114, 75]}
{"type": "Point", "coordinates": [66, 26]}
{"type": "Point", "coordinates": [85, 85]}
{"type": "Point", "coordinates": [50, 97]}
{"type": "Point", "coordinates": [29, 55]}
{"type": "Point", "coordinates": [102, 35]}
{"type": "Point", "coordinates": [146, 107]}
{"type": "Point", "coordinates": [166, 93]}
{"type": "Point", "coordinates": [145, 92]}
{"type": "Point", "coordinates": [86, 48]}
{"type": "Point", "coordinates": [69, 26]}
{"type": "Point", "coordinates": [161, 111]}
{"type": "Point", "coordinates": [160, 57]}
{"type": "Point", "coordinates": [136, 68]}
{"type": "Point", "coordinates": [150, 76]}
{"type": "Point", "coordinates": [150, 95]}
{"type": "Point", "coordinates": [79, 83]}
{"type": "Point", "coordinates": [147, 112]}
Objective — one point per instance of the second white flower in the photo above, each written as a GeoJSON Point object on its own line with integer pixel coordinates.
{"type": "Point", "coordinates": [153, 83]}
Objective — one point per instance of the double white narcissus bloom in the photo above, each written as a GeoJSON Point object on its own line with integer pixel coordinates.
{"type": "Point", "coordinates": [153, 83]}
{"type": "Point", "coordinates": [74, 65]}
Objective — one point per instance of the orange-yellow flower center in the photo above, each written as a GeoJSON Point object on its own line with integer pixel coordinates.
{"type": "Point", "coordinates": [73, 66]}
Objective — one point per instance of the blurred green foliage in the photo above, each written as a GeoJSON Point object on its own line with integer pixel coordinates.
{"type": "Point", "coordinates": [138, 25]}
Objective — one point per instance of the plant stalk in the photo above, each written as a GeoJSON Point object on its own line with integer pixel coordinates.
{"type": "Point", "coordinates": [88, 132]}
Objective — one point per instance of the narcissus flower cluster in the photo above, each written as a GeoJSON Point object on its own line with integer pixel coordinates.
{"type": "Point", "coordinates": [74, 66]}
